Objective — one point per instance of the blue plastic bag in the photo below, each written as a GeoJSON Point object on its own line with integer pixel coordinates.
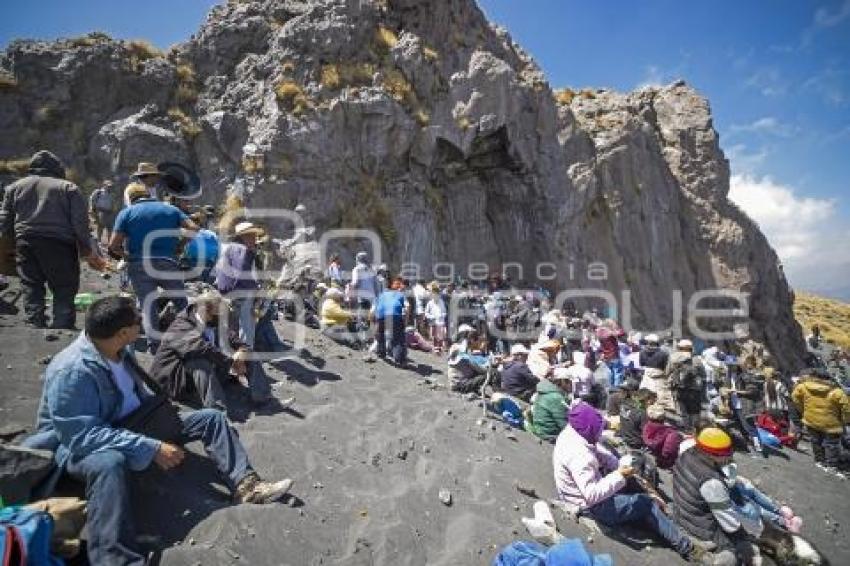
{"type": "Point", "coordinates": [570, 552]}
{"type": "Point", "coordinates": [30, 529]}
{"type": "Point", "coordinates": [768, 439]}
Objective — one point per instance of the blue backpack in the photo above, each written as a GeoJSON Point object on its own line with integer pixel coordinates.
{"type": "Point", "coordinates": [25, 538]}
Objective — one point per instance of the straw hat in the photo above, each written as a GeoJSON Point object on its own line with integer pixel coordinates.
{"type": "Point", "coordinates": [245, 228]}
{"type": "Point", "coordinates": [145, 169]}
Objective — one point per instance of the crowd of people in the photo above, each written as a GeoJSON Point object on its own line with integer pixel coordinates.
{"type": "Point", "coordinates": [616, 405]}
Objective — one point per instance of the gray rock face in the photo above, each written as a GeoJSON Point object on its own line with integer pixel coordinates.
{"type": "Point", "coordinates": [421, 121]}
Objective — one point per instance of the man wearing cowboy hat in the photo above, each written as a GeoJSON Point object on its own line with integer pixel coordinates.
{"type": "Point", "coordinates": [148, 175]}
{"type": "Point", "coordinates": [517, 379]}
{"type": "Point", "coordinates": [146, 235]}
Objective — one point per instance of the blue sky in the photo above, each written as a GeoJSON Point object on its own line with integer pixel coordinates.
{"type": "Point", "coordinates": [777, 73]}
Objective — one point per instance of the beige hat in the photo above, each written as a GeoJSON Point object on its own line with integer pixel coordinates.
{"type": "Point", "coordinates": [144, 169]}
{"type": "Point", "coordinates": [244, 228]}
{"type": "Point", "coordinates": [685, 344]}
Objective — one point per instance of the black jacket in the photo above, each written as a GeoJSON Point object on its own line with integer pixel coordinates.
{"type": "Point", "coordinates": [691, 510]}
{"type": "Point", "coordinates": [184, 341]}
{"type": "Point", "coordinates": [518, 381]}
{"type": "Point", "coordinates": [45, 205]}
{"type": "Point", "coordinates": [632, 419]}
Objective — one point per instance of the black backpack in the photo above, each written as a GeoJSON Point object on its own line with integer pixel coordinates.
{"type": "Point", "coordinates": [687, 377]}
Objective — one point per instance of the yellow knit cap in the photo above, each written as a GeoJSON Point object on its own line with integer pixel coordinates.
{"type": "Point", "coordinates": [714, 441]}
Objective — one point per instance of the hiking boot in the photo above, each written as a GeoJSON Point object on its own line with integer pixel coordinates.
{"type": "Point", "coordinates": [700, 552]}
{"type": "Point", "coordinates": [260, 492]}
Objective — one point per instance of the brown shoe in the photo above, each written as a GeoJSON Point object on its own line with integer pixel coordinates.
{"type": "Point", "coordinates": [259, 492]}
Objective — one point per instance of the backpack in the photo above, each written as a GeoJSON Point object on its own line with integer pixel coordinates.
{"type": "Point", "coordinates": [25, 538]}
{"type": "Point", "coordinates": [687, 377]}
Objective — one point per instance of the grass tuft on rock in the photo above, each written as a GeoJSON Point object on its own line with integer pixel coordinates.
{"type": "Point", "coordinates": [8, 82]}
{"type": "Point", "coordinates": [564, 96]}
{"type": "Point", "coordinates": [17, 167]}
{"type": "Point", "coordinates": [291, 97]}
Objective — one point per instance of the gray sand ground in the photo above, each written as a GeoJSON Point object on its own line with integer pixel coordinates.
{"type": "Point", "coordinates": [370, 447]}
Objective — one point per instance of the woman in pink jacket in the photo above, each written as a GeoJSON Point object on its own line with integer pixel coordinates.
{"type": "Point", "coordinates": [588, 476]}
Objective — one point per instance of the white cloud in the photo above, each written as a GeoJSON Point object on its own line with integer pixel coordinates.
{"type": "Point", "coordinates": [742, 159]}
{"type": "Point", "coordinates": [828, 83]}
{"type": "Point", "coordinates": [826, 19]}
{"type": "Point", "coordinates": [810, 241]}
{"type": "Point", "coordinates": [768, 81]}
{"type": "Point", "coordinates": [769, 125]}
{"type": "Point", "coordinates": [655, 76]}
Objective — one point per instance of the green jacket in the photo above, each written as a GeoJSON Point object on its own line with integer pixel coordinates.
{"type": "Point", "coordinates": [549, 414]}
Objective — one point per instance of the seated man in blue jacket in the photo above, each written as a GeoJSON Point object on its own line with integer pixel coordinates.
{"type": "Point", "coordinates": [92, 385]}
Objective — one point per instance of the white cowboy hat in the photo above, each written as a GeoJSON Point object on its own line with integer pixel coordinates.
{"type": "Point", "coordinates": [685, 344]}
{"type": "Point", "coordinates": [244, 228]}
{"type": "Point", "coordinates": [652, 338]}
{"type": "Point", "coordinates": [518, 349]}
{"type": "Point", "coordinates": [464, 328]}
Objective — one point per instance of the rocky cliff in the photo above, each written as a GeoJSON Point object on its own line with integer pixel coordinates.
{"type": "Point", "coordinates": [426, 123]}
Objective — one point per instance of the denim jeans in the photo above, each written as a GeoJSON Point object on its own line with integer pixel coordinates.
{"type": "Point", "coordinates": [754, 504]}
{"type": "Point", "coordinates": [398, 344]}
{"type": "Point", "coordinates": [145, 284]}
{"type": "Point", "coordinates": [244, 308]}
{"type": "Point", "coordinates": [617, 372]}
{"type": "Point", "coordinates": [640, 508]}
{"type": "Point", "coordinates": [266, 337]}
{"type": "Point", "coordinates": [109, 522]}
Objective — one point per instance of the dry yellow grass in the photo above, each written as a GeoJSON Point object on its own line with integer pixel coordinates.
{"type": "Point", "coordinates": [397, 85]}
{"type": "Point", "coordinates": [17, 167]}
{"type": "Point", "coordinates": [139, 51]}
{"type": "Point", "coordinates": [188, 127]}
{"type": "Point", "coordinates": [564, 96]}
{"type": "Point", "coordinates": [385, 39]}
{"type": "Point", "coordinates": [832, 316]}
{"type": "Point", "coordinates": [430, 54]}
{"type": "Point", "coordinates": [291, 96]}
{"type": "Point", "coordinates": [185, 73]}
{"type": "Point", "coordinates": [7, 82]}
{"type": "Point", "coordinates": [346, 74]}
{"type": "Point", "coordinates": [89, 39]}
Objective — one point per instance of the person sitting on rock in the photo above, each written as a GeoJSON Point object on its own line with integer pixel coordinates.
{"type": "Point", "coordinates": [542, 357]}
{"type": "Point", "coordinates": [93, 390]}
{"type": "Point", "coordinates": [549, 413]}
{"type": "Point", "coordinates": [750, 501]}
{"type": "Point", "coordinates": [660, 438]}
{"type": "Point", "coordinates": [704, 505]}
{"type": "Point", "coordinates": [191, 367]}
{"type": "Point", "coordinates": [517, 379]}
{"type": "Point", "coordinates": [633, 417]}
{"type": "Point", "coordinates": [588, 477]}
{"type": "Point", "coordinates": [338, 323]}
